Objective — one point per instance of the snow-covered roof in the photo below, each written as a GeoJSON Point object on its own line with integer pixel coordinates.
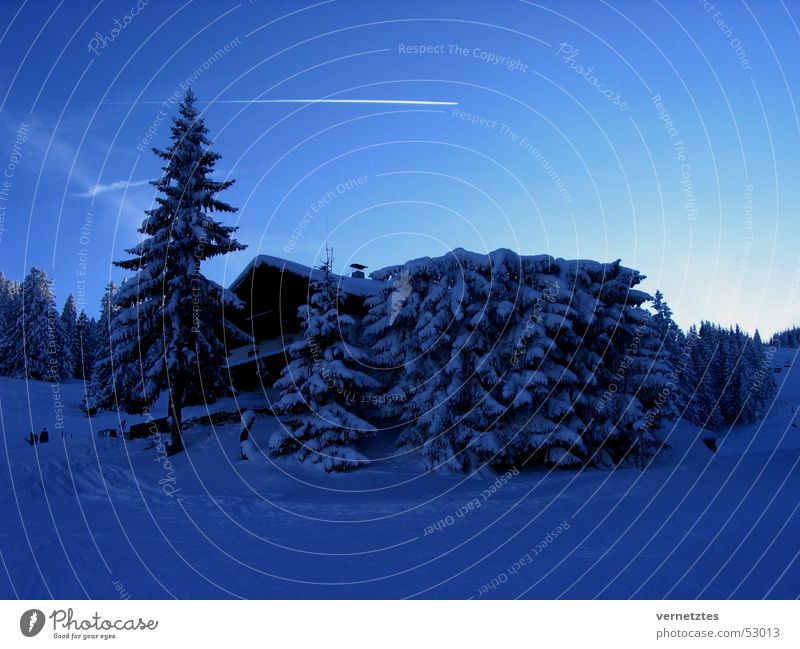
{"type": "Point", "coordinates": [351, 285]}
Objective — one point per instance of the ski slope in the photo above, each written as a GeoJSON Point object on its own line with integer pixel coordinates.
{"type": "Point", "coordinates": [84, 515]}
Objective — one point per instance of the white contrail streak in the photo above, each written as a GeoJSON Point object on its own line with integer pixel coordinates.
{"type": "Point", "coordinates": [412, 102]}
{"type": "Point", "coordinates": [405, 102]}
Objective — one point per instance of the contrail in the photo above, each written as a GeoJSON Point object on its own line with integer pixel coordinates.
{"type": "Point", "coordinates": [412, 102]}
{"type": "Point", "coordinates": [406, 102]}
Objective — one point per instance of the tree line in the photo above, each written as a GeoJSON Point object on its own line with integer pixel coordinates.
{"type": "Point", "coordinates": [38, 342]}
{"type": "Point", "coordinates": [787, 338]}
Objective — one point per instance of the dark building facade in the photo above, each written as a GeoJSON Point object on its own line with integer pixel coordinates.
{"type": "Point", "coordinates": [273, 289]}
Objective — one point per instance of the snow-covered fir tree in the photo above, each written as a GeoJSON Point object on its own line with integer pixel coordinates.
{"type": "Point", "coordinates": [615, 362]}
{"type": "Point", "coordinates": [515, 336]}
{"type": "Point", "coordinates": [703, 388]}
{"type": "Point", "coordinates": [171, 322]}
{"type": "Point", "coordinates": [763, 380]}
{"type": "Point", "coordinates": [388, 330]}
{"type": "Point", "coordinates": [322, 385]}
{"type": "Point", "coordinates": [31, 341]}
{"type": "Point", "coordinates": [415, 346]}
{"type": "Point", "coordinates": [675, 351]}
{"type": "Point", "coordinates": [693, 399]}
{"type": "Point", "coordinates": [8, 289]}
{"type": "Point", "coordinates": [543, 389]}
{"type": "Point", "coordinates": [69, 338]}
{"type": "Point", "coordinates": [506, 358]}
{"type": "Point", "coordinates": [435, 413]}
{"type": "Point", "coordinates": [420, 339]}
{"type": "Point", "coordinates": [9, 296]}
{"type": "Point", "coordinates": [478, 364]}
{"type": "Point", "coordinates": [85, 344]}
{"type": "Point", "coordinates": [102, 391]}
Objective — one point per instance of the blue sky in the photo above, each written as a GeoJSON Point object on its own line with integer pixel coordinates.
{"type": "Point", "coordinates": [559, 142]}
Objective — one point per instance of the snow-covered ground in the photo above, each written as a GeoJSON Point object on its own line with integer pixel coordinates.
{"type": "Point", "coordinates": [92, 517]}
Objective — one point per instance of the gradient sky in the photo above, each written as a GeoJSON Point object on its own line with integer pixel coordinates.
{"type": "Point", "coordinates": [708, 211]}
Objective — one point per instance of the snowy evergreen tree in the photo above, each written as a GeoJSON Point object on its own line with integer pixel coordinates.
{"type": "Point", "coordinates": [9, 298]}
{"type": "Point", "coordinates": [322, 385]}
{"type": "Point", "coordinates": [416, 348]}
{"type": "Point", "coordinates": [653, 374]}
{"type": "Point", "coordinates": [389, 331]}
{"type": "Point", "coordinates": [102, 392]}
{"type": "Point", "coordinates": [706, 388]}
{"type": "Point", "coordinates": [436, 408]}
{"type": "Point", "coordinates": [171, 322]}
{"type": "Point", "coordinates": [675, 351]}
{"type": "Point", "coordinates": [673, 341]}
{"type": "Point", "coordinates": [429, 414]}
{"type": "Point", "coordinates": [410, 329]}
{"type": "Point", "coordinates": [698, 398]}
{"type": "Point", "coordinates": [543, 390]}
{"type": "Point", "coordinates": [763, 380]}
{"type": "Point", "coordinates": [517, 336]}
{"type": "Point", "coordinates": [509, 360]}
{"type": "Point", "coordinates": [30, 341]}
{"type": "Point", "coordinates": [69, 338]}
{"type": "Point", "coordinates": [85, 345]}
{"type": "Point", "coordinates": [488, 287]}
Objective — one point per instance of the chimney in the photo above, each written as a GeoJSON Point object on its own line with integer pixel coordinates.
{"type": "Point", "coordinates": [358, 270]}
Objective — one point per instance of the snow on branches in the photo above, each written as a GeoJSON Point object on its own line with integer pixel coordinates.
{"type": "Point", "coordinates": [504, 359]}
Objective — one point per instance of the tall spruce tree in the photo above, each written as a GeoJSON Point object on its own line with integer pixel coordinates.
{"type": "Point", "coordinates": [69, 338]}
{"type": "Point", "coordinates": [171, 321]}
{"type": "Point", "coordinates": [101, 393]}
{"type": "Point", "coordinates": [85, 343]}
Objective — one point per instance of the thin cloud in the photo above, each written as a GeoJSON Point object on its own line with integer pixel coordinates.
{"type": "Point", "coordinates": [111, 187]}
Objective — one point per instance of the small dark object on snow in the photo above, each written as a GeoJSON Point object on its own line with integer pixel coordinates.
{"type": "Point", "coordinates": [138, 431]}
{"type": "Point", "coordinates": [147, 428]}
{"type": "Point", "coordinates": [711, 443]}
